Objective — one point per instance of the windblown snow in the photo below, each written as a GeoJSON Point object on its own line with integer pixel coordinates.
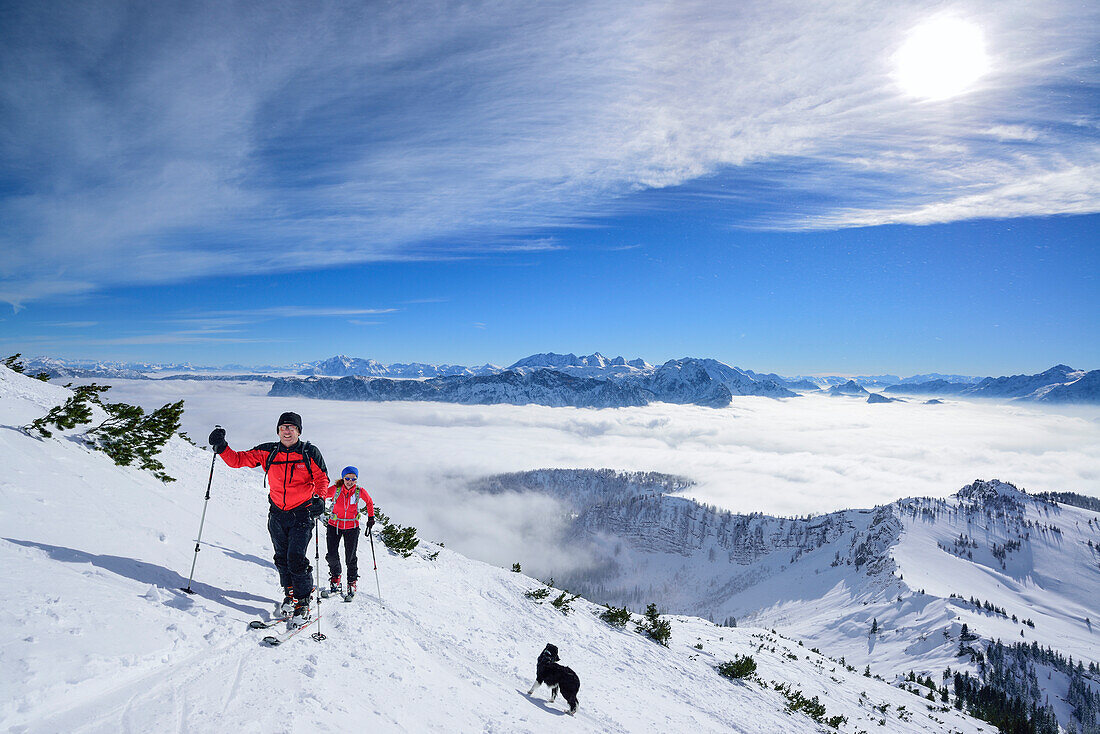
{"type": "Point", "coordinates": [100, 638]}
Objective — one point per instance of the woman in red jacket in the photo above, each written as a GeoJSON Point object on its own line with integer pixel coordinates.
{"type": "Point", "coordinates": [343, 523]}
{"type": "Point", "coordinates": [296, 473]}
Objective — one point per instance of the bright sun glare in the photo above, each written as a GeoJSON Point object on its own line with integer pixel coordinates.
{"type": "Point", "coordinates": [941, 58]}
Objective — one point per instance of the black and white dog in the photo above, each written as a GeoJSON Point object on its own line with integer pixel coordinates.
{"type": "Point", "coordinates": [556, 677]}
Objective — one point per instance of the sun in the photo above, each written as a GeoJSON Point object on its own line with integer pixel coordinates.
{"type": "Point", "coordinates": [941, 58]}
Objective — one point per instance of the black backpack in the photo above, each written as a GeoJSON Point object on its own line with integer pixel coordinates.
{"type": "Point", "coordinates": [306, 451]}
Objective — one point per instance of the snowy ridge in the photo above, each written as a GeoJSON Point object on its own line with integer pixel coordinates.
{"type": "Point", "coordinates": [685, 381]}
{"type": "Point", "coordinates": [99, 639]}
{"type": "Point", "coordinates": [543, 387]}
{"type": "Point", "coordinates": [592, 365]}
{"type": "Point", "coordinates": [911, 567]}
{"type": "Point", "coordinates": [341, 366]}
{"type": "Point", "coordinates": [1059, 384]}
{"type": "Point", "coordinates": [851, 387]}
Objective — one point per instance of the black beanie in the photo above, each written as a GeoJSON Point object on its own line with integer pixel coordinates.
{"type": "Point", "coordinates": [292, 418]}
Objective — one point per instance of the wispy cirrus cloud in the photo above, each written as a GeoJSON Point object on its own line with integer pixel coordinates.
{"type": "Point", "coordinates": [295, 312]}
{"type": "Point", "coordinates": [156, 143]}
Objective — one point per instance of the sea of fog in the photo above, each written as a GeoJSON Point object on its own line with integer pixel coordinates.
{"type": "Point", "coordinates": [797, 456]}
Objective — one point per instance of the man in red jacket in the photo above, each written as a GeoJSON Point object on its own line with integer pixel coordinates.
{"type": "Point", "coordinates": [296, 474]}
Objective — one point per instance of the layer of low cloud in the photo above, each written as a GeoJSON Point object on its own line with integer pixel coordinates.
{"type": "Point", "coordinates": [151, 143]}
{"type": "Point", "coordinates": [793, 457]}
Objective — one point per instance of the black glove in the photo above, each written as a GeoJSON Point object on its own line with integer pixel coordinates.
{"type": "Point", "coordinates": [370, 523]}
{"type": "Point", "coordinates": [217, 440]}
{"type": "Point", "coordinates": [316, 508]}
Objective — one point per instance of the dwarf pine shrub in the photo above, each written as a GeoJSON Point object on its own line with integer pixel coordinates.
{"type": "Point", "coordinates": [516, 568]}
{"type": "Point", "coordinates": [563, 601]}
{"type": "Point", "coordinates": [540, 594]}
{"type": "Point", "coordinates": [660, 630]}
{"type": "Point", "coordinates": [14, 364]}
{"type": "Point", "coordinates": [740, 667]}
{"type": "Point", "coordinates": [127, 435]}
{"type": "Point", "coordinates": [615, 616]}
{"type": "Point", "coordinates": [76, 411]}
{"type": "Point", "coordinates": [400, 540]}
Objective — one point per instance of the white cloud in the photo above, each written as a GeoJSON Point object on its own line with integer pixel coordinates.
{"type": "Point", "coordinates": [812, 454]}
{"type": "Point", "coordinates": [293, 312]}
{"type": "Point", "coordinates": [191, 148]}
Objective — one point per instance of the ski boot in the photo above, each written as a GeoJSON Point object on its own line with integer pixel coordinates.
{"type": "Point", "coordinates": [301, 613]}
{"type": "Point", "coordinates": [287, 607]}
{"type": "Point", "coordinates": [333, 588]}
{"type": "Point", "coordinates": [351, 591]}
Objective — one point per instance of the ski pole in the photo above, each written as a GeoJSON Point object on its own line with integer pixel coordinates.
{"type": "Point", "coordinates": [317, 554]}
{"type": "Point", "coordinates": [202, 522]}
{"type": "Point", "coordinates": [374, 558]}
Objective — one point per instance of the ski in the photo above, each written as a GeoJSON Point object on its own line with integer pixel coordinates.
{"type": "Point", "coordinates": [276, 640]}
{"type": "Point", "coordinates": [349, 596]}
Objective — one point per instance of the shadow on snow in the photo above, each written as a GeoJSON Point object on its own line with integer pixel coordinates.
{"type": "Point", "coordinates": [152, 574]}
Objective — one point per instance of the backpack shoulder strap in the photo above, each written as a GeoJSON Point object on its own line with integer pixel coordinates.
{"type": "Point", "coordinates": [270, 459]}
{"type": "Point", "coordinates": [307, 453]}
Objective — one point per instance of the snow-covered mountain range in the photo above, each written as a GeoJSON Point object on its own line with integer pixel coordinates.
{"type": "Point", "coordinates": [341, 366]}
{"type": "Point", "coordinates": [684, 381]}
{"type": "Point", "coordinates": [100, 638]}
{"type": "Point", "coordinates": [1002, 564]}
{"type": "Point", "coordinates": [56, 367]}
{"type": "Point", "coordinates": [543, 387]}
{"type": "Point", "coordinates": [592, 365]}
{"type": "Point", "coordinates": [1059, 384]}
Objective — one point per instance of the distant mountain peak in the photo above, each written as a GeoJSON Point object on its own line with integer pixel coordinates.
{"type": "Point", "coordinates": [991, 491]}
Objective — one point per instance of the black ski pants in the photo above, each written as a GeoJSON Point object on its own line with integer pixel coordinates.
{"type": "Point", "coordinates": [290, 532]}
{"type": "Point", "coordinates": [351, 543]}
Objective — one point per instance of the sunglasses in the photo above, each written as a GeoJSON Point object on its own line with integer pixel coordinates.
{"type": "Point", "coordinates": [350, 478]}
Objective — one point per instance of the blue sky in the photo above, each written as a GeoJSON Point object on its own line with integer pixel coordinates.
{"type": "Point", "coordinates": [474, 182]}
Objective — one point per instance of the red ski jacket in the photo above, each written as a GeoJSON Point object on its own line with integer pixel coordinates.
{"type": "Point", "coordinates": [294, 474]}
{"type": "Point", "coordinates": [345, 509]}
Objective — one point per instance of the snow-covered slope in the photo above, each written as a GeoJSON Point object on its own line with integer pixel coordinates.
{"type": "Point", "coordinates": [913, 568]}
{"type": "Point", "coordinates": [98, 638]}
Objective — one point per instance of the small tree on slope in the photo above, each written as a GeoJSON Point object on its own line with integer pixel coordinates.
{"type": "Point", "coordinates": [400, 540]}
{"type": "Point", "coordinates": [660, 630]}
{"type": "Point", "coordinates": [126, 435]}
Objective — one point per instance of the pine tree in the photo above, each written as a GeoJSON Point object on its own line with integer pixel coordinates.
{"type": "Point", "coordinates": [400, 540]}
{"type": "Point", "coordinates": [14, 364]}
{"type": "Point", "coordinates": [75, 411]}
{"type": "Point", "coordinates": [740, 667]}
{"type": "Point", "coordinates": [615, 616]}
{"type": "Point", "coordinates": [128, 435]}
{"type": "Point", "coordinates": [660, 630]}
